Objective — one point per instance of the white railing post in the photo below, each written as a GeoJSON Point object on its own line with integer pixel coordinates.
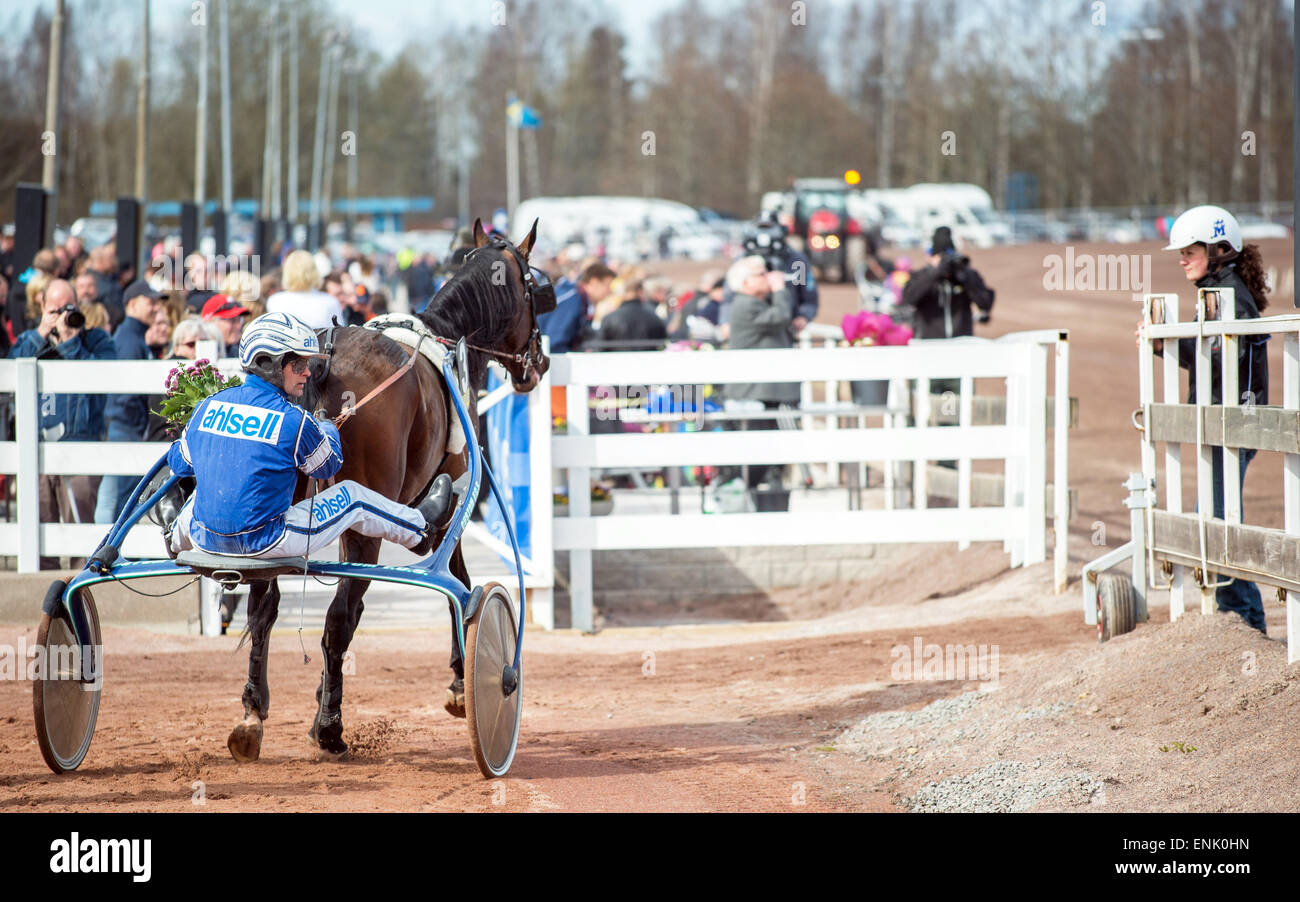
{"type": "Point", "coordinates": [1204, 452]}
{"type": "Point", "coordinates": [27, 433]}
{"type": "Point", "coordinates": [1173, 460]}
{"type": "Point", "coordinates": [1061, 464]}
{"type": "Point", "coordinates": [1291, 484]}
{"type": "Point", "coordinates": [1035, 474]}
{"type": "Point", "coordinates": [965, 417]}
{"type": "Point", "coordinates": [920, 476]}
{"type": "Point", "coordinates": [580, 578]}
{"type": "Point", "coordinates": [1014, 466]}
{"type": "Point", "coordinates": [541, 500]}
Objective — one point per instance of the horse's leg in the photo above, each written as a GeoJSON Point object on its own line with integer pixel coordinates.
{"type": "Point", "coordinates": [245, 742]}
{"type": "Point", "coordinates": [455, 701]}
{"type": "Point", "coordinates": [340, 625]}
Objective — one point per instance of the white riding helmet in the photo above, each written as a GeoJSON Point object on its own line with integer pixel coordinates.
{"type": "Point", "coordinates": [274, 335]}
{"type": "Point", "coordinates": [1206, 223]}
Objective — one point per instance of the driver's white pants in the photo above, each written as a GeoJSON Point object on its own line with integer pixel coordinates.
{"type": "Point", "coordinates": [313, 524]}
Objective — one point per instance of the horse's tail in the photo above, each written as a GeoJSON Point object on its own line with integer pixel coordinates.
{"type": "Point", "coordinates": [263, 607]}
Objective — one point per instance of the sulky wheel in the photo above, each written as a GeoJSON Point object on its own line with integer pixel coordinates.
{"type": "Point", "coordinates": [1116, 607]}
{"type": "Point", "coordinates": [66, 690]}
{"type": "Point", "coordinates": [493, 690]}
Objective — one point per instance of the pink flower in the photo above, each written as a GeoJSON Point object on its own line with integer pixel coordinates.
{"type": "Point", "coordinates": [897, 335]}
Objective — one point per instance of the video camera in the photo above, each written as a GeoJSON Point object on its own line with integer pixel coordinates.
{"type": "Point", "coordinates": [952, 264]}
{"type": "Point", "coordinates": [75, 318]}
{"type": "Point", "coordinates": [766, 239]}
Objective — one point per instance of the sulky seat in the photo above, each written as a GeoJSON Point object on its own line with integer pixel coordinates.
{"type": "Point", "coordinates": [231, 571]}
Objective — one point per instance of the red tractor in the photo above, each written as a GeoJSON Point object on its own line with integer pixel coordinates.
{"type": "Point", "coordinates": [823, 229]}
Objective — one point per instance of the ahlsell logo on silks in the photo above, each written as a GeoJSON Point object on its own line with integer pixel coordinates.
{"type": "Point", "coordinates": [242, 421]}
{"type": "Point", "coordinates": [327, 507]}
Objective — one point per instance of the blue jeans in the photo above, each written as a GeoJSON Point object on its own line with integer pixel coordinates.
{"type": "Point", "coordinates": [115, 490]}
{"type": "Point", "coordinates": [1239, 596]}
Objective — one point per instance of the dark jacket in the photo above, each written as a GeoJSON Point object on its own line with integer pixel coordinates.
{"type": "Point", "coordinates": [1252, 352]}
{"type": "Point", "coordinates": [109, 293]}
{"type": "Point", "coordinates": [130, 411]}
{"type": "Point", "coordinates": [82, 416]}
{"type": "Point", "coordinates": [633, 321]}
{"type": "Point", "coordinates": [566, 324]}
{"type": "Point", "coordinates": [763, 323]}
{"type": "Point", "coordinates": [940, 299]}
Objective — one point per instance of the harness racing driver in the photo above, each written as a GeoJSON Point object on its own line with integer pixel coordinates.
{"type": "Point", "coordinates": [245, 446]}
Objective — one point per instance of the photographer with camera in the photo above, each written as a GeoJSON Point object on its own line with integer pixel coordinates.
{"type": "Point", "coordinates": [940, 296]}
{"type": "Point", "coordinates": [765, 237]}
{"type": "Point", "coordinates": [61, 334]}
{"type": "Point", "coordinates": [127, 416]}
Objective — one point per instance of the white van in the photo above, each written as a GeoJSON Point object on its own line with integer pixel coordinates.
{"type": "Point", "coordinates": [561, 220]}
{"type": "Point", "coordinates": [965, 208]}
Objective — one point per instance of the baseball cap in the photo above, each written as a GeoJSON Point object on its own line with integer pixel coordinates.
{"type": "Point", "coordinates": [220, 306]}
{"type": "Point", "coordinates": [140, 287]}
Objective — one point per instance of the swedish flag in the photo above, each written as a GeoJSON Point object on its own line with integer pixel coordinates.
{"type": "Point", "coordinates": [523, 116]}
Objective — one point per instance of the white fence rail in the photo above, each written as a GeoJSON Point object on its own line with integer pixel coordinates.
{"type": "Point", "coordinates": [1019, 522]}
{"type": "Point", "coordinates": [1198, 544]}
{"type": "Point", "coordinates": [29, 458]}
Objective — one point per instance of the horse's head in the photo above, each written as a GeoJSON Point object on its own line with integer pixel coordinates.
{"type": "Point", "coordinates": [520, 348]}
{"type": "Point", "coordinates": [493, 301]}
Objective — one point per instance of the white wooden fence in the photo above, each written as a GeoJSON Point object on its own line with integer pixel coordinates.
{"type": "Point", "coordinates": [1021, 443]}
{"type": "Point", "coordinates": [1198, 544]}
{"type": "Point", "coordinates": [1020, 522]}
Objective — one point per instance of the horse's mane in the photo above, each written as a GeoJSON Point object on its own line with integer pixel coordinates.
{"type": "Point", "coordinates": [472, 305]}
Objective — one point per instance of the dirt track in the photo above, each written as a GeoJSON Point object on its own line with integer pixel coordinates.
{"type": "Point", "coordinates": [756, 717]}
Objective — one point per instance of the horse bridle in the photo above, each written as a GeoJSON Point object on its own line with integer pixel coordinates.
{"type": "Point", "coordinates": [540, 293]}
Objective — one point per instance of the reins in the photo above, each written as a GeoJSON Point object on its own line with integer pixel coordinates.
{"type": "Point", "coordinates": [347, 412]}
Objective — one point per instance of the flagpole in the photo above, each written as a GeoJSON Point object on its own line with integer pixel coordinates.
{"type": "Point", "coordinates": [512, 160]}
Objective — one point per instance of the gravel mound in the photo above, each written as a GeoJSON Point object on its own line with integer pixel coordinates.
{"type": "Point", "coordinates": [1197, 715]}
{"type": "Point", "coordinates": [1002, 787]}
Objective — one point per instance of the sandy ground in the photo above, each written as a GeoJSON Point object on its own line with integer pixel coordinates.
{"type": "Point", "coordinates": [804, 710]}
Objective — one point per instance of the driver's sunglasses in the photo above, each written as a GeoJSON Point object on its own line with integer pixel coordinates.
{"type": "Point", "coordinates": [300, 365]}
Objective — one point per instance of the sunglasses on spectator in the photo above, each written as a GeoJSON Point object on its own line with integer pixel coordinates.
{"type": "Point", "coordinates": [187, 344]}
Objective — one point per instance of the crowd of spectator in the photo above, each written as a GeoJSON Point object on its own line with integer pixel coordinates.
{"type": "Point", "coordinates": [76, 303]}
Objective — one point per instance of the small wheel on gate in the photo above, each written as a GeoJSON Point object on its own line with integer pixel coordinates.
{"type": "Point", "coordinates": [65, 693]}
{"type": "Point", "coordinates": [493, 688]}
{"type": "Point", "coordinates": [1116, 606]}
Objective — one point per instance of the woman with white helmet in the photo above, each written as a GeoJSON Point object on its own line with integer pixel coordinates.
{"type": "Point", "coordinates": [1213, 255]}
{"type": "Point", "coordinates": [246, 445]}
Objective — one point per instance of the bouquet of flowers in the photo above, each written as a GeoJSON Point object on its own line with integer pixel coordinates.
{"type": "Point", "coordinates": [865, 329]}
{"type": "Point", "coordinates": [188, 386]}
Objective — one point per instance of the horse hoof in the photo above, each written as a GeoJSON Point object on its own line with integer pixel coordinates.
{"type": "Point", "coordinates": [455, 703]}
{"type": "Point", "coordinates": [329, 741]}
{"type": "Point", "coordinates": [245, 742]}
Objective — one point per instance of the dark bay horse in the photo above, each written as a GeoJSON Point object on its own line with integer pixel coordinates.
{"type": "Point", "coordinates": [396, 444]}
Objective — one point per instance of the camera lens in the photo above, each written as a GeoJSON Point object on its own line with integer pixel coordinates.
{"type": "Point", "coordinates": [75, 319]}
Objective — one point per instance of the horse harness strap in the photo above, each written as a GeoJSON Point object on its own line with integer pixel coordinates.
{"type": "Point", "coordinates": [347, 412]}
{"type": "Point", "coordinates": [517, 358]}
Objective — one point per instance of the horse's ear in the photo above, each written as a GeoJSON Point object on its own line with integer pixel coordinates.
{"type": "Point", "coordinates": [527, 244]}
{"type": "Point", "coordinates": [480, 237]}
